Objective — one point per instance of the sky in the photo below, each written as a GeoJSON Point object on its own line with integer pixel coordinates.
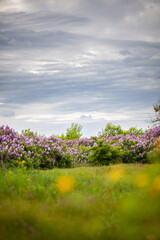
{"type": "Point", "coordinates": [84, 61]}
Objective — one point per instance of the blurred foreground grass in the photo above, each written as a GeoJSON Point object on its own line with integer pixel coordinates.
{"type": "Point", "coordinates": [112, 202]}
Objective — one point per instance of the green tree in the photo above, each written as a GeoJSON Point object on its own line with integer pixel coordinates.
{"type": "Point", "coordinates": [74, 132]}
{"type": "Point", "coordinates": [133, 130]}
{"type": "Point", "coordinates": [111, 130]}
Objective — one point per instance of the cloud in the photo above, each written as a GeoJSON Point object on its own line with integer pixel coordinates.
{"type": "Point", "coordinates": [6, 113]}
{"type": "Point", "coordinates": [86, 61]}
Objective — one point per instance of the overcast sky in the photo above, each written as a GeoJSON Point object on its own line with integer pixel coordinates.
{"type": "Point", "coordinates": [85, 61]}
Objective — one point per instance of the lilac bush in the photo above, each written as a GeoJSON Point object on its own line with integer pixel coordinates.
{"type": "Point", "coordinates": [48, 152]}
{"type": "Point", "coordinates": [136, 147]}
{"type": "Point", "coordinates": [38, 151]}
{"type": "Point", "coordinates": [33, 150]}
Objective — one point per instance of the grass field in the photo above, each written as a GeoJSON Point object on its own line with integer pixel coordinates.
{"type": "Point", "coordinates": [112, 202]}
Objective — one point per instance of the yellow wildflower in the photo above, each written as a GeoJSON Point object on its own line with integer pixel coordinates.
{"type": "Point", "coordinates": [65, 184]}
{"type": "Point", "coordinates": [10, 172]}
{"type": "Point", "coordinates": [155, 187]}
{"type": "Point", "coordinates": [23, 161]}
{"type": "Point", "coordinates": [17, 161]}
{"type": "Point", "coordinates": [116, 173]}
{"type": "Point", "coordinates": [141, 180]}
{"type": "Point", "coordinates": [28, 179]}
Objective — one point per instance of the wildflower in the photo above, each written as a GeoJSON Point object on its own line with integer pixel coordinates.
{"type": "Point", "coordinates": [155, 187]}
{"type": "Point", "coordinates": [116, 173]}
{"type": "Point", "coordinates": [28, 179]}
{"type": "Point", "coordinates": [23, 161]}
{"type": "Point", "coordinates": [10, 172]}
{"type": "Point", "coordinates": [17, 161]}
{"type": "Point", "coordinates": [150, 237]}
{"type": "Point", "coordinates": [65, 184]}
{"type": "Point", "coordinates": [141, 180]}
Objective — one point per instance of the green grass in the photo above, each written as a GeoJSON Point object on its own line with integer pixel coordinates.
{"type": "Point", "coordinates": [97, 208]}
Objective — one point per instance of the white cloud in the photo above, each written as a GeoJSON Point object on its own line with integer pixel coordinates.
{"type": "Point", "coordinates": [78, 61]}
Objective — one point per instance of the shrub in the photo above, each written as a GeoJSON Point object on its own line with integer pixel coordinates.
{"type": "Point", "coordinates": [63, 162]}
{"type": "Point", "coordinates": [104, 154]}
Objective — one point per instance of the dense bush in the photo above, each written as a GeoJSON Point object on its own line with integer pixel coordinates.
{"type": "Point", "coordinates": [104, 154]}
{"type": "Point", "coordinates": [32, 150]}
{"type": "Point", "coordinates": [42, 152]}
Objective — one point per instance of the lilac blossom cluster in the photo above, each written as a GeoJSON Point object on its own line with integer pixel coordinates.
{"type": "Point", "coordinates": [139, 145]}
{"type": "Point", "coordinates": [42, 151]}
{"type": "Point", "coordinates": [52, 152]}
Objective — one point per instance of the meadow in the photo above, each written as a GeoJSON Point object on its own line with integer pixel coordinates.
{"type": "Point", "coordinates": [120, 201]}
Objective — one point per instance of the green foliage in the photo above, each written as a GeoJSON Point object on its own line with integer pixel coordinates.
{"type": "Point", "coordinates": [74, 132]}
{"type": "Point", "coordinates": [40, 160]}
{"type": "Point", "coordinates": [105, 154]}
{"type": "Point", "coordinates": [133, 130]}
{"type": "Point", "coordinates": [62, 136]}
{"type": "Point", "coordinates": [154, 156]}
{"type": "Point", "coordinates": [62, 162]}
{"type": "Point", "coordinates": [130, 157]}
{"type": "Point", "coordinates": [113, 130]}
{"type": "Point", "coordinates": [28, 133]}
